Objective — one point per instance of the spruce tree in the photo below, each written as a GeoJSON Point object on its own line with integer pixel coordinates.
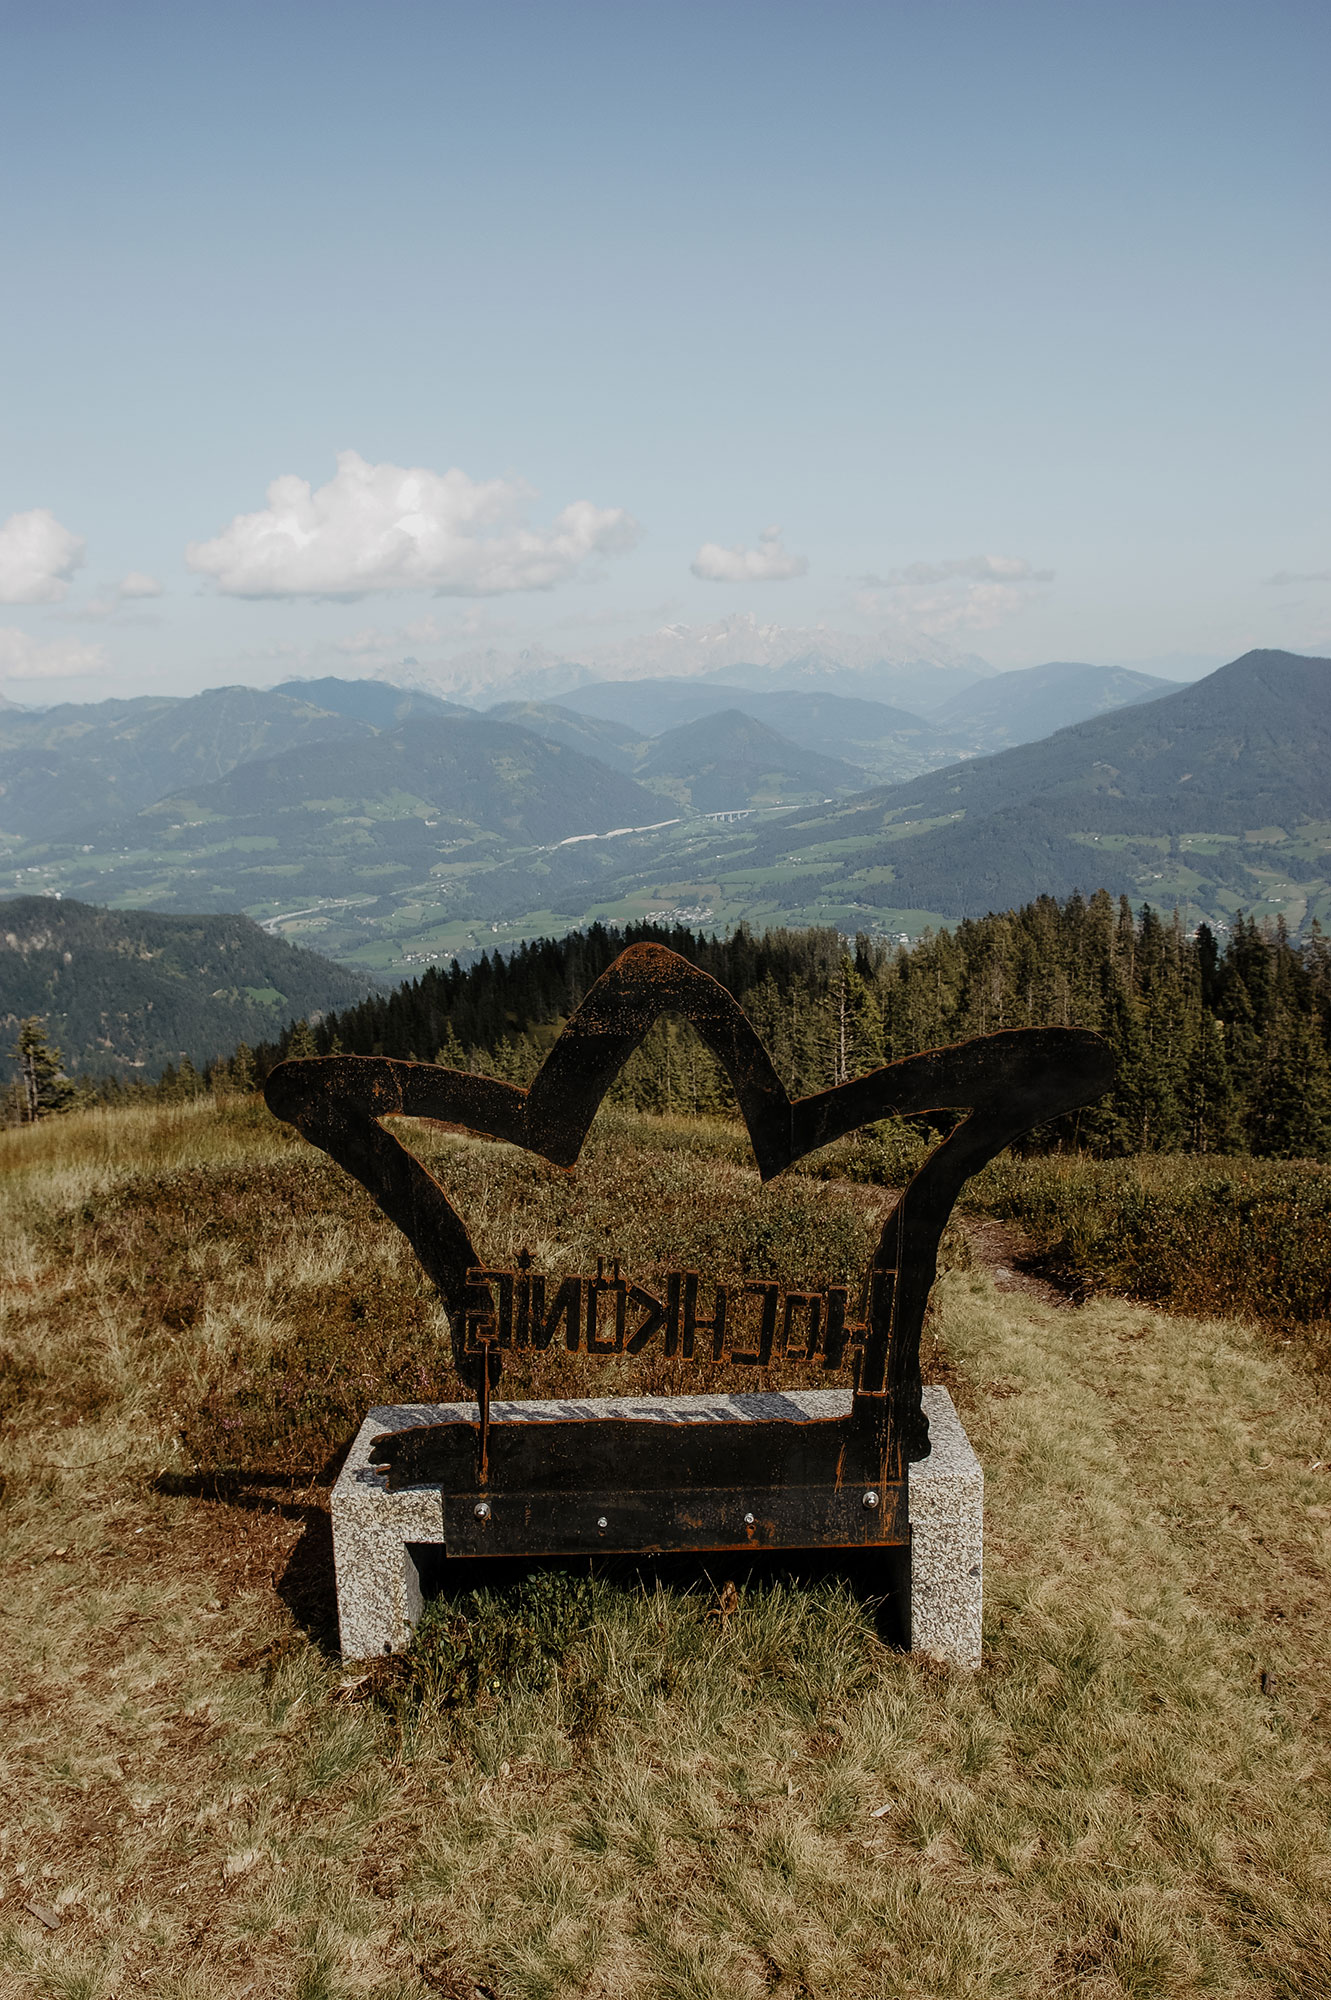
{"type": "Point", "coordinates": [301, 1043]}
{"type": "Point", "coordinates": [1291, 1118]}
{"type": "Point", "coordinates": [42, 1082]}
{"type": "Point", "coordinates": [1207, 1099]}
{"type": "Point", "coordinates": [451, 1054]}
{"type": "Point", "coordinates": [854, 1025]}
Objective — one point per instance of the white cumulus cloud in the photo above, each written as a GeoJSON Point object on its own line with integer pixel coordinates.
{"type": "Point", "coordinates": [136, 584]}
{"type": "Point", "coordinates": [23, 658]}
{"type": "Point", "coordinates": [386, 527]}
{"type": "Point", "coordinates": [38, 556]}
{"type": "Point", "coordinates": [768, 563]}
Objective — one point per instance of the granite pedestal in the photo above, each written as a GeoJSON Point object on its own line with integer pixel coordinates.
{"type": "Point", "coordinates": [940, 1575]}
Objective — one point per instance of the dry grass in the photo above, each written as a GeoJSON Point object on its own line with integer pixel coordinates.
{"type": "Point", "coordinates": [1130, 1799]}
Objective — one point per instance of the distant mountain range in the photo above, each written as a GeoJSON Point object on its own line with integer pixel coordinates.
{"type": "Point", "coordinates": [1212, 798]}
{"type": "Point", "coordinates": [459, 778]}
{"type": "Point", "coordinates": [897, 666]}
{"type": "Point", "coordinates": [127, 991]}
{"type": "Point", "coordinates": [649, 706]}
{"type": "Point", "coordinates": [1023, 706]}
{"type": "Point", "coordinates": [885, 740]}
{"type": "Point", "coordinates": [363, 824]}
{"type": "Point", "coordinates": [1215, 795]}
{"type": "Point", "coordinates": [863, 738]}
{"type": "Point", "coordinates": [76, 765]}
{"type": "Point", "coordinates": [394, 827]}
{"type": "Point", "coordinates": [378, 703]}
{"type": "Point", "coordinates": [614, 743]}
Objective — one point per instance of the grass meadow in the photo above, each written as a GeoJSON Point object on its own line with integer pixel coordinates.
{"type": "Point", "coordinates": [631, 1783]}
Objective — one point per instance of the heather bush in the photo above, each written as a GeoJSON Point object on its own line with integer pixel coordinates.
{"type": "Point", "coordinates": [1231, 1236]}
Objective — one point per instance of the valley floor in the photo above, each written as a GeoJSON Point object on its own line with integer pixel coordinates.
{"type": "Point", "coordinates": [676, 1801]}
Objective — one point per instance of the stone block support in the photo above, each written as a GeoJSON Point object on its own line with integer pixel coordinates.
{"type": "Point", "coordinates": [941, 1575]}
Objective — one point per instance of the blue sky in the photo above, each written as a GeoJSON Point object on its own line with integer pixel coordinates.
{"type": "Point", "coordinates": [1013, 318]}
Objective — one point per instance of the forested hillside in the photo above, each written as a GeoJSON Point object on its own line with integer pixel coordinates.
{"type": "Point", "coordinates": [1022, 706]}
{"type": "Point", "coordinates": [66, 768]}
{"type": "Point", "coordinates": [124, 993]}
{"type": "Point", "coordinates": [1216, 792]}
{"type": "Point", "coordinates": [1224, 1043]}
{"type": "Point", "coordinates": [731, 759]}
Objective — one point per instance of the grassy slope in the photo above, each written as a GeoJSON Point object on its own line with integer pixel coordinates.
{"type": "Point", "coordinates": [1129, 1799]}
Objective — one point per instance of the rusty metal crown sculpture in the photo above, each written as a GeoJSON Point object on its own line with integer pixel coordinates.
{"type": "Point", "coordinates": [1006, 1082]}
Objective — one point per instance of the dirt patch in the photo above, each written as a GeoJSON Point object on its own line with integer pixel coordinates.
{"type": "Point", "coordinates": [1011, 1258]}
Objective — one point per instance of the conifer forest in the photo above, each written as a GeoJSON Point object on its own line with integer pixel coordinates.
{"type": "Point", "coordinates": [1223, 1041]}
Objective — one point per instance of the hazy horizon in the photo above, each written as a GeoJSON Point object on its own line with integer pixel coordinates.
{"type": "Point", "coordinates": [480, 679]}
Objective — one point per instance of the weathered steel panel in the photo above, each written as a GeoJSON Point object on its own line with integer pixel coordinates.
{"type": "Point", "coordinates": [613, 1521]}
{"type": "Point", "coordinates": [1005, 1083]}
{"type": "Point", "coordinates": [558, 1458]}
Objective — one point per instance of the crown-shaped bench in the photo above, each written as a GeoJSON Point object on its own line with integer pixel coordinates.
{"type": "Point", "coordinates": [882, 1464]}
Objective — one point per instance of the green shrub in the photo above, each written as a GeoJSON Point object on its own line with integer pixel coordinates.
{"type": "Point", "coordinates": [1227, 1236]}
{"type": "Point", "coordinates": [476, 1647]}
